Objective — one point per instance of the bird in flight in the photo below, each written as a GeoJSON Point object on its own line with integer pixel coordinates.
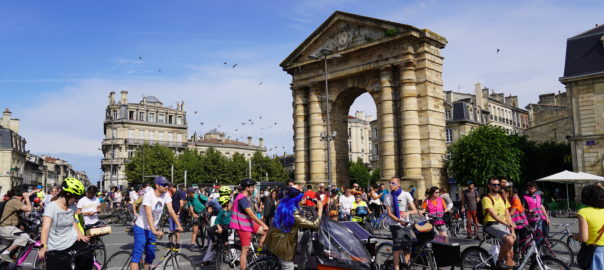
{"type": "Point", "coordinates": [260, 83]}
{"type": "Point", "coordinates": [498, 50]}
{"type": "Point", "coordinates": [243, 123]}
{"type": "Point", "coordinates": [159, 70]}
{"type": "Point", "coordinates": [275, 123]}
{"type": "Point", "coordinates": [225, 63]}
{"type": "Point", "coordinates": [195, 112]}
{"type": "Point", "coordinates": [201, 123]}
{"type": "Point", "coordinates": [234, 65]}
{"type": "Point", "coordinates": [260, 117]}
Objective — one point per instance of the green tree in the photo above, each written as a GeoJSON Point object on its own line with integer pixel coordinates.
{"type": "Point", "coordinates": [543, 158]}
{"type": "Point", "coordinates": [214, 167]}
{"type": "Point", "coordinates": [157, 160]}
{"type": "Point", "coordinates": [375, 175]}
{"type": "Point", "coordinates": [265, 168]}
{"type": "Point", "coordinates": [189, 161]}
{"type": "Point", "coordinates": [359, 173]}
{"type": "Point", "coordinates": [485, 152]}
{"type": "Point", "coordinates": [238, 168]}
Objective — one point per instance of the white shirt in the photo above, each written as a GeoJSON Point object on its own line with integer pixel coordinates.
{"type": "Point", "coordinates": [404, 200]}
{"type": "Point", "coordinates": [117, 196]}
{"type": "Point", "coordinates": [89, 205]}
{"type": "Point", "coordinates": [133, 195]}
{"type": "Point", "coordinates": [346, 203]}
{"type": "Point", "coordinates": [157, 207]}
{"type": "Point", "coordinates": [214, 195]}
{"type": "Point", "coordinates": [47, 199]}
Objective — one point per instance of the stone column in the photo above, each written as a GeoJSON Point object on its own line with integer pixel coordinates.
{"type": "Point", "coordinates": [317, 146]}
{"type": "Point", "coordinates": [410, 136]}
{"type": "Point", "coordinates": [386, 124]}
{"type": "Point", "coordinates": [300, 140]}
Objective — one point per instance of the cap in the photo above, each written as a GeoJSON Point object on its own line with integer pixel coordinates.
{"type": "Point", "coordinates": [160, 180]}
{"type": "Point", "coordinates": [39, 186]}
{"type": "Point", "coordinates": [190, 190]}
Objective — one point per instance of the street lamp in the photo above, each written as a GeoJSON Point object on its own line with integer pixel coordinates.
{"type": "Point", "coordinates": [327, 136]}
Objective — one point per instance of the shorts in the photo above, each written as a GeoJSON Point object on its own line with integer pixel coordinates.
{"type": "Point", "coordinates": [245, 238]}
{"type": "Point", "coordinates": [401, 238]}
{"type": "Point", "coordinates": [144, 241]}
{"type": "Point", "coordinates": [173, 224]}
{"type": "Point", "coordinates": [497, 230]}
{"type": "Point", "coordinates": [441, 228]}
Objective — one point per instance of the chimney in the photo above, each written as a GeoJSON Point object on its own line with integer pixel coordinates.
{"type": "Point", "coordinates": [124, 97]}
{"type": "Point", "coordinates": [479, 97]}
{"type": "Point", "coordinates": [249, 140]}
{"type": "Point", "coordinates": [182, 106]}
{"type": "Point", "coordinates": [512, 100]}
{"type": "Point", "coordinates": [111, 98]}
{"type": "Point", "coordinates": [144, 100]}
{"type": "Point", "coordinates": [261, 142]}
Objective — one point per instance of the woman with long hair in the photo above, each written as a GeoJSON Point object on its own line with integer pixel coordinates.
{"type": "Point", "coordinates": [283, 234]}
{"type": "Point", "coordinates": [436, 207]}
{"type": "Point", "coordinates": [60, 233]}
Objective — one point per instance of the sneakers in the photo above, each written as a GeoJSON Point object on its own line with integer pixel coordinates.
{"type": "Point", "coordinates": [503, 266]}
{"type": "Point", "coordinates": [6, 258]}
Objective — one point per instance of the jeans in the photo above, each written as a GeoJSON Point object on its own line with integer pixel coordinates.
{"type": "Point", "coordinates": [597, 263]}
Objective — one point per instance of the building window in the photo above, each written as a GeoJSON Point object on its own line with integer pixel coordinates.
{"type": "Point", "coordinates": [375, 133]}
{"type": "Point", "coordinates": [130, 153]}
{"type": "Point", "coordinates": [152, 117]}
{"type": "Point", "coordinates": [449, 135]}
{"type": "Point", "coordinates": [141, 116]}
{"type": "Point", "coordinates": [170, 119]}
{"type": "Point", "coordinates": [448, 114]}
{"type": "Point", "coordinates": [130, 115]}
{"type": "Point", "coordinates": [151, 135]}
{"type": "Point", "coordinates": [161, 136]}
{"type": "Point", "coordinates": [160, 118]}
{"type": "Point", "coordinates": [130, 134]}
{"type": "Point", "coordinates": [350, 146]}
{"type": "Point", "coordinates": [179, 137]}
{"type": "Point", "coordinates": [349, 132]}
{"type": "Point", "coordinates": [179, 120]}
{"type": "Point", "coordinates": [170, 136]}
{"type": "Point", "coordinates": [113, 133]}
{"type": "Point", "coordinates": [114, 114]}
{"type": "Point", "coordinates": [141, 135]}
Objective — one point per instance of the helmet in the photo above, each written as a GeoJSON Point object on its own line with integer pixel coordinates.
{"type": "Point", "coordinates": [73, 186]}
{"type": "Point", "coordinates": [247, 182]}
{"type": "Point", "coordinates": [224, 190]}
{"type": "Point", "coordinates": [333, 213]}
{"type": "Point", "coordinates": [36, 200]}
{"type": "Point", "coordinates": [224, 200]}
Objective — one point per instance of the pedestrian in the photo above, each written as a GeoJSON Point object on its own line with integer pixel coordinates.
{"type": "Point", "coordinates": [52, 192]}
{"type": "Point", "coordinates": [59, 233]}
{"type": "Point", "coordinates": [375, 204]}
{"type": "Point", "coordinates": [591, 228]}
{"type": "Point", "coordinates": [197, 205]}
{"type": "Point", "coordinates": [445, 195]}
{"type": "Point", "coordinates": [436, 206]}
{"type": "Point", "coordinates": [535, 209]}
{"type": "Point", "coordinates": [346, 205]}
{"type": "Point", "coordinates": [133, 194]}
{"type": "Point", "coordinates": [499, 224]}
{"type": "Point", "coordinates": [400, 206]}
{"type": "Point", "coordinates": [283, 234]}
{"type": "Point", "coordinates": [19, 202]}
{"type": "Point", "coordinates": [269, 207]}
{"type": "Point", "coordinates": [178, 203]}
{"type": "Point", "coordinates": [469, 202]}
{"type": "Point", "coordinates": [90, 207]}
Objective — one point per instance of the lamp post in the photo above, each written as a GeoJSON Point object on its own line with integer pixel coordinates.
{"type": "Point", "coordinates": [327, 136]}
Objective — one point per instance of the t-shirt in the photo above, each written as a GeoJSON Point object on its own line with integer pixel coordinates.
{"type": "Point", "coordinates": [346, 203]}
{"type": "Point", "coordinates": [117, 196]}
{"type": "Point", "coordinates": [404, 200]}
{"type": "Point", "coordinates": [223, 218]}
{"type": "Point", "coordinates": [243, 204]}
{"type": "Point", "coordinates": [498, 204]}
{"type": "Point", "coordinates": [214, 195]}
{"type": "Point", "coordinates": [198, 205]}
{"type": "Point", "coordinates": [133, 195]}
{"type": "Point", "coordinates": [9, 207]}
{"type": "Point", "coordinates": [470, 199]}
{"type": "Point", "coordinates": [89, 205]}
{"type": "Point", "coordinates": [62, 234]}
{"type": "Point", "coordinates": [595, 220]}
{"type": "Point", "coordinates": [310, 194]}
{"type": "Point", "coordinates": [47, 199]}
{"type": "Point", "coordinates": [178, 196]}
{"type": "Point", "coordinates": [383, 194]}
{"type": "Point", "coordinates": [157, 207]}
{"type": "Point", "coordinates": [517, 203]}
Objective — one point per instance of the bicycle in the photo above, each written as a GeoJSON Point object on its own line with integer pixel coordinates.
{"type": "Point", "coordinates": [418, 236]}
{"type": "Point", "coordinates": [73, 254]}
{"type": "Point", "coordinates": [553, 247]}
{"type": "Point", "coordinates": [459, 224]}
{"type": "Point", "coordinates": [375, 223]}
{"type": "Point", "coordinates": [565, 236]}
{"type": "Point", "coordinates": [202, 232]}
{"type": "Point", "coordinates": [229, 254]}
{"type": "Point", "coordinates": [476, 257]}
{"type": "Point", "coordinates": [172, 259]}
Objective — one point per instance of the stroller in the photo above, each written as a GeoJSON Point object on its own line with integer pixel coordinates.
{"type": "Point", "coordinates": [336, 247]}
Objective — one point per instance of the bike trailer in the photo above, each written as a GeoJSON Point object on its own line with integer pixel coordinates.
{"type": "Point", "coordinates": [337, 247]}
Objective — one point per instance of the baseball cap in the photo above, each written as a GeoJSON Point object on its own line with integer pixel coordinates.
{"type": "Point", "coordinates": [190, 190]}
{"type": "Point", "coordinates": [160, 180]}
{"type": "Point", "coordinates": [39, 186]}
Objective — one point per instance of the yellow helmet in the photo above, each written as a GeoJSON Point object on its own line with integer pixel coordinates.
{"type": "Point", "coordinates": [224, 200]}
{"type": "Point", "coordinates": [73, 186]}
{"type": "Point", "coordinates": [225, 191]}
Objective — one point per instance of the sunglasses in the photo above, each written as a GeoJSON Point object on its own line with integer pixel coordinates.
{"type": "Point", "coordinates": [164, 185]}
{"type": "Point", "coordinates": [392, 183]}
{"type": "Point", "coordinates": [496, 185]}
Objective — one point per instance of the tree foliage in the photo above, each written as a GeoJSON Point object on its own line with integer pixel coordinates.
{"type": "Point", "coordinates": [209, 167]}
{"type": "Point", "coordinates": [359, 173]}
{"type": "Point", "coordinates": [543, 158]}
{"type": "Point", "coordinates": [485, 152]}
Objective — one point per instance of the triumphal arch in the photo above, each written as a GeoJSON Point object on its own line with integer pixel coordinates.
{"type": "Point", "coordinates": [400, 66]}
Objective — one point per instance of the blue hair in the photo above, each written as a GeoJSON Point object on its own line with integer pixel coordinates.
{"type": "Point", "coordinates": [284, 215]}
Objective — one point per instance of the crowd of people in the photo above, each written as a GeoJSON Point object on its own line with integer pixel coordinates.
{"type": "Point", "coordinates": [276, 214]}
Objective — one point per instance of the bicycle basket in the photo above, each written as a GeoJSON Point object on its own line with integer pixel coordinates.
{"type": "Point", "coordinates": [423, 232]}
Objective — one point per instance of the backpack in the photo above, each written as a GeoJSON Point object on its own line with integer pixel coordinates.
{"type": "Point", "coordinates": [2, 204]}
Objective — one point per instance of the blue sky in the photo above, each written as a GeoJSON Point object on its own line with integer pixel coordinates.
{"type": "Point", "coordinates": [60, 59]}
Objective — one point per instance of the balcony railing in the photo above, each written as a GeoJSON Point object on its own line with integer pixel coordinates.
{"type": "Point", "coordinates": [114, 161]}
{"type": "Point", "coordinates": [113, 141]}
{"type": "Point", "coordinates": [153, 142]}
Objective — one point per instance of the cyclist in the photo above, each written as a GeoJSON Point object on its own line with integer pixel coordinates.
{"type": "Point", "coordinates": [535, 210]}
{"type": "Point", "coordinates": [245, 222]}
{"type": "Point", "coordinates": [197, 204]}
{"type": "Point", "coordinates": [516, 213]}
{"type": "Point", "coordinates": [145, 230]}
{"type": "Point", "coordinates": [52, 192]}
{"type": "Point", "coordinates": [436, 206]}
{"type": "Point", "coordinates": [360, 210]}
{"type": "Point", "coordinates": [89, 206]}
{"type": "Point", "coordinates": [283, 235]}
{"type": "Point", "coordinates": [218, 232]}
{"type": "Point", "coordinates": [499, 224]}
{"type": "Point", "coordinates": [178, 202]}
{"type": "Point", "coordinates": [397, 203]}
{"type": "Point", "coordinates": [60, 233]}
{"type": "Point", "coordinates": [117, 197]}
{"type": "Point", "coordinates": [10, 220]}
{"type": "Point", "coordinates": [469, 201]}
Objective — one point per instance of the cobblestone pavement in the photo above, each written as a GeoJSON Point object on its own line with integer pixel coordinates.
{"type": "Point", "coordinates": [122, 240]}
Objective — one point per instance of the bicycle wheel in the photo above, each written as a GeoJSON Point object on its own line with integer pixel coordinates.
{"type": "Point", "coordinates": [99, 252]}
{"type": "Point", "coordinates": [228, 257]}
{"type": "Point", "coordinates": [476, 258]}
{"type": "Point", "coordinates": [424, 261]}
{"type": "Point", "coordinates": [265, 263]}
{"type": "Point", "coordinates": [383, 256]}
{"type": "Point", "coordinates": [549, 263]}
{"type": "Point", "coordinates": [557, 249]}
{"type": "Point", "coordinates": [118, 261]}
{"type": "Point", "coordinates": [462, 232]}
{"type": "Point", "coordinates": [179, 262]}
{"type": "Point", "coordinates": [201, 237]}
{"type": "Point", "coordinates": [574, 245]}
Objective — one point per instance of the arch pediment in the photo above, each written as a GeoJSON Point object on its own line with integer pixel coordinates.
{"type": "Point", "coordinates": [345, 31]}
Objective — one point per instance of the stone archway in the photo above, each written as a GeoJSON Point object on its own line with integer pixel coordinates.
{"type": "Point", "coordinates": [400, 66]}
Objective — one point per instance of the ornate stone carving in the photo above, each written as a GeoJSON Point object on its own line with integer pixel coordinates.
{"type": "Point", "coordinates": [346, 35]}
